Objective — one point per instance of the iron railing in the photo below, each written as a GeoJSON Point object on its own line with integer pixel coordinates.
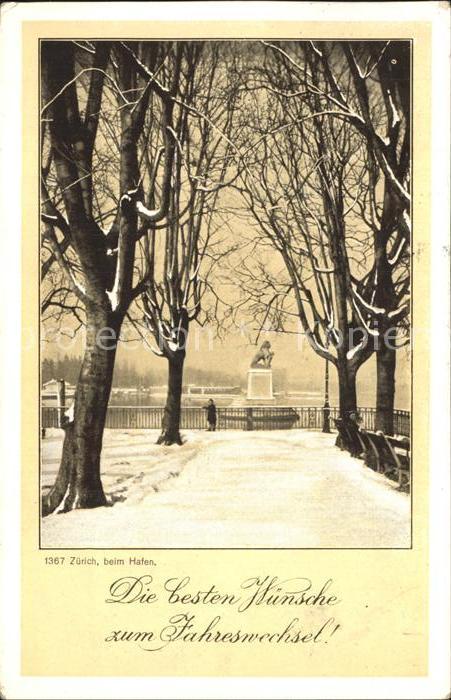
{"type": "Point", "coordinates": [232, 418]}
{"type": "Point", "coordinates": [402, 423]}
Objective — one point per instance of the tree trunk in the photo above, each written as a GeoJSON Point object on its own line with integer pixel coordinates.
{"type": "Point", "coordinates": [347, 394]}
{"type": "Point", "coordinates": [170, 427]}
{"type": "Point", "coordinates": [346, 389]}
{"type": "Point", "coordinates": [385, 391]}
{"type": "Point", "coordinates": [385, 354]}
{"type": "Point", "coordinates": [78, 483]}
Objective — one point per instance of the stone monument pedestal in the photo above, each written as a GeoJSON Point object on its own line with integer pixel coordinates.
{"type": "Point", "coordinates": [259, 385]}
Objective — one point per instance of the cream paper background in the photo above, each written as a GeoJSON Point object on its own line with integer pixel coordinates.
{"type": "Point", "coordinates": [384, 609]}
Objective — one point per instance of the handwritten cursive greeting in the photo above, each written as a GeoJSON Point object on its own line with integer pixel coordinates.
{"type": "Point", "coordinates": [255, 592]}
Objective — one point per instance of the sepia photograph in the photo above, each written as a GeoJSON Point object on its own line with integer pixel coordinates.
{"type": "Point", "coordinates": [225, 293]}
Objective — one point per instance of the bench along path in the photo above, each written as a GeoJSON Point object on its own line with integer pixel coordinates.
{"type": "Point", "coordinates": [289, 488]}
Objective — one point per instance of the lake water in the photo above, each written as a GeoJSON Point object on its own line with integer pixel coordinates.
{"type": "Point", "coordinates": [303, 398]}
{"type": "Point", "coordinates": [146, 399]}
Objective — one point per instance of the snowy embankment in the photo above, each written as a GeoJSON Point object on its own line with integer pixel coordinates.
{"type": "Point", "coordinates": [288, 488]}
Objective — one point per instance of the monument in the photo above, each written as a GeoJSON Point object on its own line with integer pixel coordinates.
{"type": "Point", "coordinates": [259, 376]}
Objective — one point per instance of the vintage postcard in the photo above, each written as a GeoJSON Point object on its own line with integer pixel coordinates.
{"type": "Point", "coordinates": [229, 349]}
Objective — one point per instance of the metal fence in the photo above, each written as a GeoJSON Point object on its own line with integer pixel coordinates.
{"type": "Point", "coordinates": [402, 423]}
{"type": "Point", "coordinates": [232, 418]}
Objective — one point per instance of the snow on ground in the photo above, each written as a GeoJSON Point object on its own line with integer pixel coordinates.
{"type": "Point", "coordinates": [285, 488]}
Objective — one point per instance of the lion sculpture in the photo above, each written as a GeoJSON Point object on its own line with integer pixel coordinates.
{"type": "Point", "coordinates": [263, 357]}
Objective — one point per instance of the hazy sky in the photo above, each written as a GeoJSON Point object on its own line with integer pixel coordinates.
{"type": "Point", "coordinates": [234, 354]}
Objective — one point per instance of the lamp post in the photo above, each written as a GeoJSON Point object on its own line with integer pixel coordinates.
{"type": "Point", "coordinates": [326, 407]}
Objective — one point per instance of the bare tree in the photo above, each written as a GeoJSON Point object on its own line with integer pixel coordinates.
{"type": "Point", "coordinates": [388, 286]}
{"type": "Point", "coordinates": [99, 269]}
{"type": "Point", "coordinates": [364, 89]}
{"type": "Point", "coordinates": [301, 189]}
{"type": "Point", "coordinates": [178, 272]}
{"type": "Point", "coordinates": [373, 95]}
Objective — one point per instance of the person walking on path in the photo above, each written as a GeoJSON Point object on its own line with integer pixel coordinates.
{"type": "Point", "coordinates": [211, 415]}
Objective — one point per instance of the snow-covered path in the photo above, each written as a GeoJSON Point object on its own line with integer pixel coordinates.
{"type": "Point", "coordinates": [289, 488]}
